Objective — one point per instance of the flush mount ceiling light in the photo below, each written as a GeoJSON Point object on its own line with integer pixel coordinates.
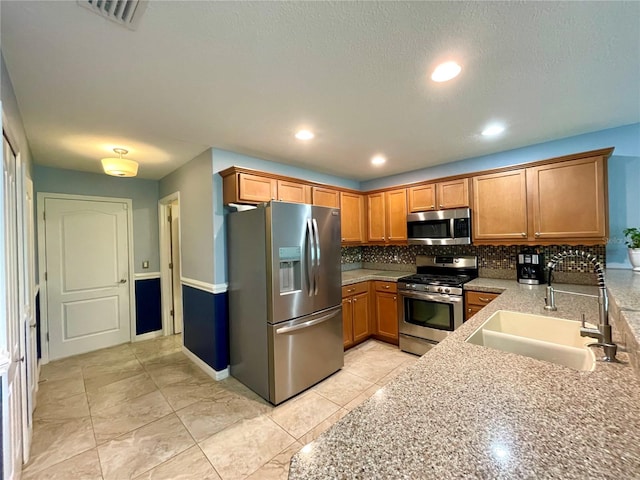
{"type": "Point", "coordinates": [304, 135]}
{"type": "Point", "coordinates": [446, 71]}
{"type": "Point", "coordinates": [378, 160]}
{"type": "Point", "coordinates": [120, 167]}
{"type": "Point", "coordinates": [493, 130]}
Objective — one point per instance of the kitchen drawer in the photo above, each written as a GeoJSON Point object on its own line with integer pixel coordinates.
{"type": "Point", "coordinates": [386, 286]}
{"type": "Point", "coordinates": [355, 289]}
{"type": "Point", "coordinates": [480, 298]}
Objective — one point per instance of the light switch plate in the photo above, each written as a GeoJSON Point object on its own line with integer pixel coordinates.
{"type": "Point", "coordinates": [145, 264]}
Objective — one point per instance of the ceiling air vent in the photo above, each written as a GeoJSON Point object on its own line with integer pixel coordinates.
{"type": "Point", "coordinates": [124, 12]}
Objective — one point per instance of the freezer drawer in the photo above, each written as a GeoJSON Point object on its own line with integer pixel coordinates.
{"type": "Point", "coordinates": [304, 351]}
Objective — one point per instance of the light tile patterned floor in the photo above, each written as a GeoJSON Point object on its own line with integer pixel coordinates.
{"type": "Point", "coordinates": [144, 410]}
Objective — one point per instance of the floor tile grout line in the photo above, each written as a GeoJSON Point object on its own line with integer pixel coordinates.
{"type": "Point", "coordinates": [197, 444]}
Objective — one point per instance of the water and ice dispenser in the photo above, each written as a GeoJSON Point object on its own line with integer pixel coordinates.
{"type": "Point", "coordinates": [290, 265]}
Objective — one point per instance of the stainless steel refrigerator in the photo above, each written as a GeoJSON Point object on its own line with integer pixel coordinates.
{"type": "Point", "coordinates": [285, 305]}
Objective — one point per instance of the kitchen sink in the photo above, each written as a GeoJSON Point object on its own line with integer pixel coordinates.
{"type": "Point", "coordinates": [551, 339]}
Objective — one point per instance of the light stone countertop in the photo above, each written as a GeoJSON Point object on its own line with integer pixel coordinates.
{"type": "Point", "coordinates": [467, 411]}
{"type": "Point", "coordinates": [363, 275]}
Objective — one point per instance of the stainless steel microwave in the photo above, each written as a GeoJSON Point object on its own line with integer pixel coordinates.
{"type": "Point", "coordinates": [440, 227]}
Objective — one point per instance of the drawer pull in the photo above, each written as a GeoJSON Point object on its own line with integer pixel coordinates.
{"type": "Point", "coordinates": [387, 287]}
{"type": "Point", "coordinates": [484, 299]}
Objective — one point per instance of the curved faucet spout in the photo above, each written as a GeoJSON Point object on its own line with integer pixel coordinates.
{"type": "Point", "coordinates": [603, 333]}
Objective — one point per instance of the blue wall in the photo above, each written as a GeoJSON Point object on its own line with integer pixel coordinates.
{"type": "Point", "coordinates": [148, 306]}
{"type": "Point", "coordinates": [624, 176]}
{"type": "Point", "coordinates": [207, 334]}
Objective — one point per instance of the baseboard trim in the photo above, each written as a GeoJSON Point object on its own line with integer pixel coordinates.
{"type": "Point", "coordinates": [147, 336]}
{"type": "Point", "coordinates": [206, 368]}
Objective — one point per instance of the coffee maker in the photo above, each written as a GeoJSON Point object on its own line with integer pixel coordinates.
{"type": "Point", "coordinates": [530, 266]}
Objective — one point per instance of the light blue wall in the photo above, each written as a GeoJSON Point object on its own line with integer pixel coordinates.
{"type": "Point", "coordinates": [223, 159]}
{"type": "Point", "coordinates": [193, 181]}
{"type": "Point", "coordinates": [624, 176]}
{"type": "Point", "coordinates": [143, 193]}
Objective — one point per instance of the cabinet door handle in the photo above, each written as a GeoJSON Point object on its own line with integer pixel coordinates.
{"type": "Point", "coordinates": [484, 299]}
{"type": "Point", "coordinates": [537, 234]}
{"type": "Point", "coordinates": [394, 297]}
{"type": "Point", "coordinates": [355, 300]}
{"type": "Point", "coordinates": [432, 207]}
{"type": "Point", "coordinates": [441, 206]}
{"type": "Point", "coordinates": [349, 301]}
{"type": "Point", "coordinates": [524, 234]}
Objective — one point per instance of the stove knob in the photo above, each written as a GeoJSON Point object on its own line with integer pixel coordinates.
{"type": "Point", "coordinates": [440, 289]}
{"type": "Point", "coordinates": [447, 290]}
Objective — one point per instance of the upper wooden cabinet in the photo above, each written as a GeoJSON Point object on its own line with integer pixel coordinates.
{"type": "Point", "coordinates": [548, 203]}
{"type": "Point", "coordinates": [352, 217]}
{"type": "Point", "coordinates": [242, 186]}
{"type": "Point", "coordinates": [453, 194]}
{"type": "Point", "coordinates": [293, 192]}
{"type": "Point", "coordinates": [248, 188]}
{"type": "Point", "coordinates": [568, 200]}
{"type": "Point", "coordinates": [376, 217]}
{"type": "Point", "coordinates": [500, 206]}
{"type": "Point", "coordinates": [387, 216]}
{"type": "Point", "coordinates": [325, 197]}
{"type": "Point", "coordinates": [422, 198]}
{"type": "Point", "coordinates": [439, 196]}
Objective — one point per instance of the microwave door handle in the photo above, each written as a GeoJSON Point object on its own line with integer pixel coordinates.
{"type": "Point", "coordinates": [317, 240]}
{"type": "Point", "coordinates": [452, 226]}
{"type": "Point", "coordinates": [310, 260]}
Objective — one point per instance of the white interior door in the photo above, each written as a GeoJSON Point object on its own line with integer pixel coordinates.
{"type": "Point", "coordinates": [13, 330]}
{"type": "Point", "coordinates": [176, 270]}
{"type": "Point", "coordinates": [87, 272]}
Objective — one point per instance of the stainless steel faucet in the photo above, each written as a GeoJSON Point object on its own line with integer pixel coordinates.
{"type": "Point", "coordinates": [603, 332]}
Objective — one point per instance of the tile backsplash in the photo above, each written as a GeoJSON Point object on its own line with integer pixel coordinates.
{"type": "Point", "coordinates": [493, 261]}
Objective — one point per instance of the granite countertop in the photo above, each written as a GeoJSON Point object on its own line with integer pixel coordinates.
{"type": "Point", "coordinates": [363, 275]}
{"type": "Point", "coordinates": [466, 411]}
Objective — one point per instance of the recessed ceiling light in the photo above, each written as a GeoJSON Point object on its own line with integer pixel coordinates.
{"type": "Point", "coordinates": [378, 160]}
{"type": "Point", "coordinates": [493, 130]}
{"type": "Point", "coordinates": [304, 135]}
{"type": "Point", "coordinates": [446, 71]}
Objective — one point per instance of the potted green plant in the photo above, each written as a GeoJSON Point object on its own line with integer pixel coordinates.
{"type": "Point", "coordinates": [633, 242]}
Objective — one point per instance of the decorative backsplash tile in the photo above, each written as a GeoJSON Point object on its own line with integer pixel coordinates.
{"type": "Point", "coordinates": [502, 259]}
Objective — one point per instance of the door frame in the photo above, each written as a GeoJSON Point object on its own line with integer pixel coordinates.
{"type": "Point", "coordinates": [165, 259]}
{"type": "Point", "coordinates": [42, 262]}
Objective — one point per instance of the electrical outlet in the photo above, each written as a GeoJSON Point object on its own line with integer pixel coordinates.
{"type": "Point", "coordinates": [145, 264]}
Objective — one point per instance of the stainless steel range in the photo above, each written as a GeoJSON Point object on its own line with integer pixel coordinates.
{"type": "Point", "coordinates": [431, 302]}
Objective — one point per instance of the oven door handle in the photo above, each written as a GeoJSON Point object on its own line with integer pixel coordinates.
{"type": "Point", "coordinates": [433, 298]}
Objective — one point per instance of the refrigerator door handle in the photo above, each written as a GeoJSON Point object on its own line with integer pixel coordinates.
{"type": "Point", "coordinates": [311, 254]}
{"type": "Point", "coordinates": [310, 323]}
{"type": "Point", "coordinates": [317, 240]}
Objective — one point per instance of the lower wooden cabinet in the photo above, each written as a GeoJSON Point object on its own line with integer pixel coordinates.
{"type": "Point", "coordinates": [476, 301]}
{"type": "Point", "coordinates": [355, 313]}
{"type": "Point", "coordinates": [386, 311]}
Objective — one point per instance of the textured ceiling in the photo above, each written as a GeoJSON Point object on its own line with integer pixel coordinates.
{"type": "Point", "coordinates": [245, 75]}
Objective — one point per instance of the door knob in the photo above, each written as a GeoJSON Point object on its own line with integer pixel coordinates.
{"type": "Point", "coordinates": [123, 280]}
